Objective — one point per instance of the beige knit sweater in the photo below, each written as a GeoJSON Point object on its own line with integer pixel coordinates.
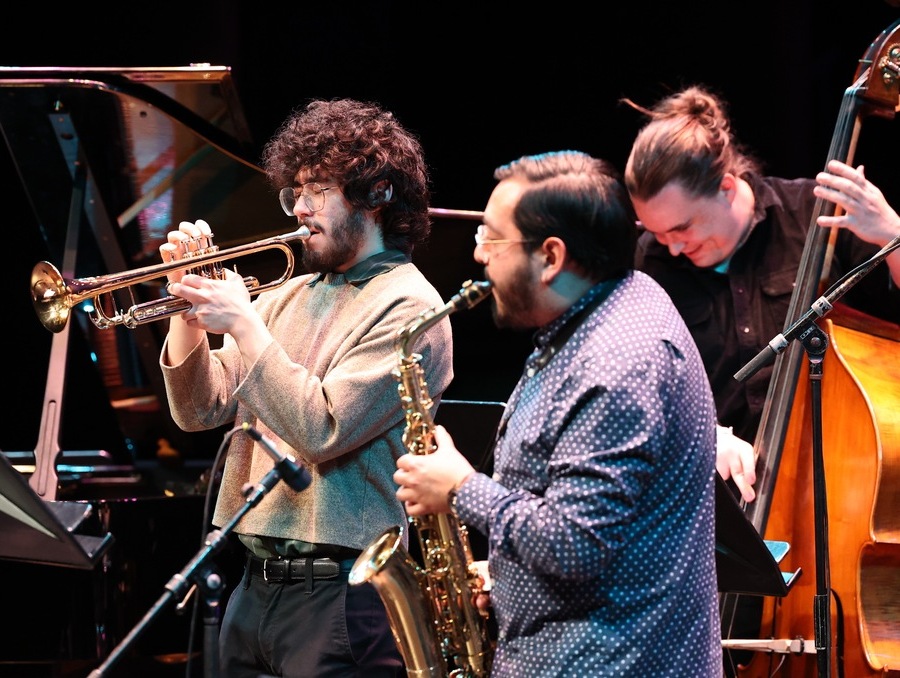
{"type": "Point", "coordinates": [324, 392]}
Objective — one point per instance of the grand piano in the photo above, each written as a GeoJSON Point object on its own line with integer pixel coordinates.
{"type": "Point", "coordinates": [102, 497]}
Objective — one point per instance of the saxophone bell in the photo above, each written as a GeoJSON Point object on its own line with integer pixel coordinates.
{"type": "Point", "coordinates": [399, 580]}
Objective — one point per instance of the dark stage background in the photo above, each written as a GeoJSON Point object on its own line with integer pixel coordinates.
{"type": "Point", "coordinates": [481, 83]}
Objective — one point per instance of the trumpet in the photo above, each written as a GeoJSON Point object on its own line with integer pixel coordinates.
{"type": "Point", "coordinates": [53, 296]}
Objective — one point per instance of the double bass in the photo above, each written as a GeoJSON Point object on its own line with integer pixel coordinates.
{"type": "Point", "coordinates": [858, 630]}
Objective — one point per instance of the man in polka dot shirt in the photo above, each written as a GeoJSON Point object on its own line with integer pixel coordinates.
{"type": "Point", "coordinates": [600, 514]}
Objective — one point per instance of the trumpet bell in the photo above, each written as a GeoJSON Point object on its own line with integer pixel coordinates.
{"type": "Point", "coordinates": [49, 296]}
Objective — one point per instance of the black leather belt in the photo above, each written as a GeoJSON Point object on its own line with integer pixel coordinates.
{"type": "Point", "coordinates": [282, 570]}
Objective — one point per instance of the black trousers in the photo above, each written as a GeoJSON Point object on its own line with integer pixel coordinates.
{"type": "Point", "coordinates": [293, 630]}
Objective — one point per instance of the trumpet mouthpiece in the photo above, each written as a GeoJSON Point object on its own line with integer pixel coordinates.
{"type": "Point", "coordinates": [303, 232]}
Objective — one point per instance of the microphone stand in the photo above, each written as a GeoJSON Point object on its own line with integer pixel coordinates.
{"type": "Point", "coordinates": [815, 343]}
{"type": "Point", "coordinates": [205, 576]}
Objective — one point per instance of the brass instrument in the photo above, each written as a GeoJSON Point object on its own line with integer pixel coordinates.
{"type": "Point", "coordinates": [53, 296]}
{"type": "Point", "coordinates": [431, 610]}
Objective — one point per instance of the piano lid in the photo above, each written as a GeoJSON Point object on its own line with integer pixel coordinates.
{"type": "Point", "coordinates": [166, 144]}
{"type": "Point", "coordinates": [110, 159]}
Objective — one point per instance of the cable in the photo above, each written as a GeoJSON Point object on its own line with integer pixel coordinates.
{"type": "Point", "coordinates": [211, 486]}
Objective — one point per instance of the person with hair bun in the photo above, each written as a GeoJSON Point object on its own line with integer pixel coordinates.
{"type": "Point", "coordinates": [726, 242]}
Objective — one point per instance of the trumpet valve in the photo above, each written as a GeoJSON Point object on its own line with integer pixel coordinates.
{"type": "Point", "coordinates": [204, 247]}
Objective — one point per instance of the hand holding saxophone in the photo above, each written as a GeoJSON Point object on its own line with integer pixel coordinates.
{"type": "Point", "coordinates": [425, 480]}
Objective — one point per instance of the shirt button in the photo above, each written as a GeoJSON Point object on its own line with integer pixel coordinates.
{"type": "Point", "coordinates": [746, 330]}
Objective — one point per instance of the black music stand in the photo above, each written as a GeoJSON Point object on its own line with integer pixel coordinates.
{"type": "Point", "coordinates": [38, 531]}
{"type": "Point", "coordinates": [473, 425]}
{"type": "Point", "coordinates": [745, 563]}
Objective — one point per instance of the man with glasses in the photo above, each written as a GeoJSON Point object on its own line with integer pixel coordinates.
{"type": "Point", "coordinates": [600, 513]}
{"type": "Point", "coordinates": [309, 366]}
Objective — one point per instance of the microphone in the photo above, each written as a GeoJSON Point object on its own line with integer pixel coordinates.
{"type": "Point", "coordinates": [291, 472]}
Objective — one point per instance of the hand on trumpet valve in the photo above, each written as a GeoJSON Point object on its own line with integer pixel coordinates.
{"type": "Point", "coordinates": [218, 305]}
{"type": "Point", "coordinates": [191, 240]}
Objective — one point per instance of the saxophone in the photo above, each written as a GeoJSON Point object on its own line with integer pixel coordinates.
{"type": "Point", "coordinates": [438, 628]}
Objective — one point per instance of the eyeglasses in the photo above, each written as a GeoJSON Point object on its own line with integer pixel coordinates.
{"type": "Point", "coordinates": [312, 193]}
{"type": "Point", "coordinates": [481, 239]}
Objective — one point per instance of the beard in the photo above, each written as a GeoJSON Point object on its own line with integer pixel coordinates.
{"type": "Point", "coordinates": [511, 302]}
{"type": "Point", "coordinates": [344, 241]}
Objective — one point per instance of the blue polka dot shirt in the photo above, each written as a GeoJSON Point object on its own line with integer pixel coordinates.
{"type": "Point", "coordinates": [600, 514]}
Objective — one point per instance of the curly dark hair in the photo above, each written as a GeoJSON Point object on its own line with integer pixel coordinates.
{"type": "Point", "coordinates": [357, 144]}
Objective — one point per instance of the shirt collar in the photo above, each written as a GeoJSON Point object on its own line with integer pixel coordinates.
{"type": "Point", "coordinates": [549, 339]}
{"type": "Point", "coordinates": [378, 263]}
{"type": "Point", "coordinates": [762, 200]}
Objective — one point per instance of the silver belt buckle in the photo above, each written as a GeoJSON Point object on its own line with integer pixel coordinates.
{"type": "Point", "coordinates": [266, 569]}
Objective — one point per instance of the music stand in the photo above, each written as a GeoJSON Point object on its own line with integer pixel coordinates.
{"type": "Point", "coordinates": [42, 532]}
{"type": "Point", "coordinates": [745, 563]}
{"type": "Point", "coordinates": [473, 425]}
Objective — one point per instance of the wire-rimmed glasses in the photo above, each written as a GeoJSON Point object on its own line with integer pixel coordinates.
{"type": "Point", "coordinates": [485, 243]}
{"type": "Point", "coordinates": [313, 195]}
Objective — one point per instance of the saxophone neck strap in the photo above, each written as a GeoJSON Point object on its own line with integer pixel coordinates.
{"type": "Point", "coordinates": [597, 295]}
